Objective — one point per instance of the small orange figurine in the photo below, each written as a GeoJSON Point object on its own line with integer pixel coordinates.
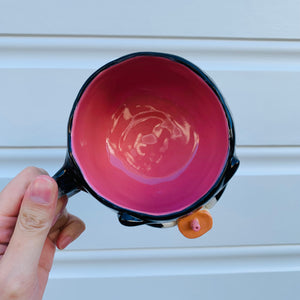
{"type": "Point", "coordinates": [195, 224]}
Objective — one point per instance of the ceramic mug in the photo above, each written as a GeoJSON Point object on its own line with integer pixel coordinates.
{"type": "Point", "coordinates": [151, 137]}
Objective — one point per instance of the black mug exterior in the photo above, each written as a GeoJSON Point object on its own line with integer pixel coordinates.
{"type": "Point", "coordinates": [70, 179]}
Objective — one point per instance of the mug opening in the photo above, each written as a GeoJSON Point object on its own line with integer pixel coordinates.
{"type": "Point", "coordinates": [150, 135]}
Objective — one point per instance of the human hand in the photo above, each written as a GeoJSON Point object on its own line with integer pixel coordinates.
{"type": "Point", "coordinates": [33, 222]}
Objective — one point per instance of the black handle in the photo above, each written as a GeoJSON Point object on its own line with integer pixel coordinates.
{"type": "Point", "coordinates": [66, 181]}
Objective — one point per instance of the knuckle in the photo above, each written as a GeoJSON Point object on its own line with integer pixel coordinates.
{"type": "Point", "coordinates": [82, 226]}
{"type": "Point", "coordinates": [43, 171]}
{"type": "Point", "coordinates": [33, 220]}
{"type": "Point", "coordinates": [32, 172]}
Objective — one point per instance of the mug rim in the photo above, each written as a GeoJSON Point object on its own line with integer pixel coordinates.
{"type": "Point", "coordinates": [219, 184]}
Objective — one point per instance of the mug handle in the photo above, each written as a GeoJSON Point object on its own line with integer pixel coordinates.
{"type": "Point", "coordinates": [66, 181]}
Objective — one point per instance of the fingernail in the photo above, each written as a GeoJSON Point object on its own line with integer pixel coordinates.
{"type": "Point", "coordinates": [41, 190]}
{"type": "Point", "coordinates": [65, 242]}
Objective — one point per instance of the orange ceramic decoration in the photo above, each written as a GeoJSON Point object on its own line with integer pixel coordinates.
{"type": "Point", "coordinates": [195, 224]}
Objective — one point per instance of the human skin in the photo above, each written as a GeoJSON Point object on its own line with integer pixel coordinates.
{"type": "Point", "coordinates": [33, 222]}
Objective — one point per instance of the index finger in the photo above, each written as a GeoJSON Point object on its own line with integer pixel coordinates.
{"type": "Point", "coordinates": [12, 195]}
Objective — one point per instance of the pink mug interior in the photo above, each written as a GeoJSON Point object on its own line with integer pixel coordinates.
{"type": "Point", "coordinates": [149, 135]}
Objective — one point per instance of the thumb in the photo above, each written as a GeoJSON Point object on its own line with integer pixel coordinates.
{"type": "Point", "coordinates": [32, 227]}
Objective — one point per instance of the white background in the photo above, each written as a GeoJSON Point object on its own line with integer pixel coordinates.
{"type": "Point", "coordinates": [251, 49]}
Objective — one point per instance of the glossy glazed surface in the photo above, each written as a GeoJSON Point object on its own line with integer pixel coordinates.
{"type": "Point", "coordinates": [149, 135]}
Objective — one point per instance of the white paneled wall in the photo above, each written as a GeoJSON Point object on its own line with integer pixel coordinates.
{"type": "Point", "coordinates": [252, 52]}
